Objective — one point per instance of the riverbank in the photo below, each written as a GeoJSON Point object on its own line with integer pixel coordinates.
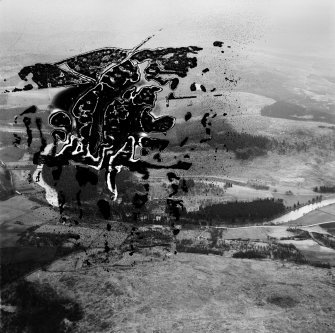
{"type": "Point", "coordinates": [300, 212]}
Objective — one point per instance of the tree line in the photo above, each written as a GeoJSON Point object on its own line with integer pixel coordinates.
{"type": "Point", "coordinates": [324, 189]}
{"type": "Point", "coordinates": [239, 211]}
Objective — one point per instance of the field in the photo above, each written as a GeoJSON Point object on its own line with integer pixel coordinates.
{"type": "Point", "coordinates": [304, 156]}
{"type": "Point", "coordinates": [295, 112]}
{"type": "Point", "coordinates": [19, 213]}
{"type": "Point", "coordinates": [11, 154]}
{"type": "Point", "coordinates": [313, 251]}
{"type": "Point", "coordinates": [321, 215]}
{"type": "Point", "coordinates": [330, 227]}
{"type": "Point", "coordinates": [308, 246]}
{"type": "Point", "coordinates": [261, 126]}
{"type": "Point", "coordinates": [41, 98]}
{"type": "Point", "coordinates": [201, 293]}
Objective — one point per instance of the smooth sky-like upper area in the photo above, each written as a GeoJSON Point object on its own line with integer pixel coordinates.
{"type": "Point", "coordinates": [292, 26]}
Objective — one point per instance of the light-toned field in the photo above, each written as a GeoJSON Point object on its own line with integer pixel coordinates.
{"type": "Point", "coordinates": [244, 193]}
{"type": "Point", "coordinates": [289, 199]}
{"type": "Point", "coordinates": [329, 209]}
{"type": "Point", "coordinates": [11, 154]}
{"type": "Point", "coordinates": [39, 97]}
{"type": "Point", "coordinates": [198, 293]}
{"type": "Point", "coordinates": [252, 233]}
{"type": "Point", "coordinates": [19, 213]}
{"type": "Point", "coordinates": [304, 169]}
{"type": "Point", "coordinates": [321, 215]}
{"type": "Point", "coordinates": [210, 189]}
{"type": "Point", "coordinates": [89, 237]}
{"type": "Point", "coordinates": [248, 118]}
{"type": "Point", "coordinates": [309, 248]}
{"type": "Point", "coordinates": [14, 207]}
{"type": "Point", "coordinates": [312, 251]}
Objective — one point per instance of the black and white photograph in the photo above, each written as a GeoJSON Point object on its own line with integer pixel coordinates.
{"type": "Point", "coordinates": [167, 166]}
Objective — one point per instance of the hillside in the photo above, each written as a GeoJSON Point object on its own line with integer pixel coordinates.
{"type": "Point", "coordinates": [186, 293]}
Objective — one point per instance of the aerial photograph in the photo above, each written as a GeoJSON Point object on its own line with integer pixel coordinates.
{"type": "Point", "coordinates": [167, 166]}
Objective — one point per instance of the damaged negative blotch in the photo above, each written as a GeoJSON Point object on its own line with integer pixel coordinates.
{"type": "Point", "coordinates": [112, 117]}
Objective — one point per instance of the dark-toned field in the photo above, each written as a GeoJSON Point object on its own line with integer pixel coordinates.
{"type": "Point", "coordinates": [191, 293]}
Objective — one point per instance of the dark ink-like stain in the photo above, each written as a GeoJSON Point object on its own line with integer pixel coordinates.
{"type": "Point", "coordinates": [104, 208]}
{"type": "Point", "coordinates": [30, 178]}
{"type": "Point", "coordinates": [27, 123]}
{"type": "Point", "coordinates": [154, 143]}
{"type": "Point", "coordinates": [157, 157]}
{"type": "Point", "coordinates": [193, 87]}
{"type": "Point", "coordinates": [17, 140]}
{"type": "Point", "coordinates": [139, 200]}
{"type": "Point", "coordinates": [172, 176]}
{"type": "Point", "coordinates": [28, 87]}
{"type": "Point", "coordinates": [31, 109]}
{"type": "Point", "coordinates": [109, 227]}
{"type": "Point", "coordinates": [188, 116]}
{"type": "Point", "coordinates": [183, 142]}
{"type": "Point", "coordinates": [107, 248]}
{"type": "Point", "coordinates": [66, 98]}
{"type": "Point", "coordinates": [218, 44]}
{"type": "Point", "coordinates": [56, 173]}
{"type": "Point", "coordinates": [25, 88]}
{"type": "Point", "coordinates": [106, 119]}
{"type": "Point", "coordinates": [42, 138]}
{"type": "Point", "coordinates": [231, 80]}
{"type": "Point", "coordinates": [61, 202]}
{"type": "Point", "coordinates": [174, 206]}
{"type": "Point", "coordinates": [172, 96]}
{"type": "Point", "coordinates": [38, 177]}
{"type": "Point", "coordinates": [176, 232]}
{"type": "Point", "coordinates": [213, 89]}
{"type": "Point", "coordinates": [183, 185]}
{"type": "Point", "coordinates": [144, 152]}
{"type": "Point", "coordinates": [175, 188]}
{"type": "Point", "coordinates": [174, 83]}
{"type": "Point", "coordinates": [85, 175]}
{"type": "Point", "coordinates": [207, 125]}
{"type": "Point", "coordinates": [204, 119]}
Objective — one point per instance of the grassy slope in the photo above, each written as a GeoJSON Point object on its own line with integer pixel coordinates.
{"type": "Point", "coordinates": [196, 293]}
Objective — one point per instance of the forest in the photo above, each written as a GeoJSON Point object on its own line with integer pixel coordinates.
{"type": "Point", "coordinates": [324, 189]}
{"type": "Point", "coordinates": [239, 212]}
